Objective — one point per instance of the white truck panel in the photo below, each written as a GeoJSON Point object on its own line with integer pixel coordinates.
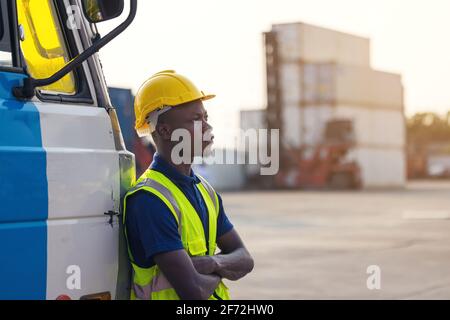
{"type": "Point", "coordinates": [89, 244]}
{"type": "Point", "coordinates": [83, 178]}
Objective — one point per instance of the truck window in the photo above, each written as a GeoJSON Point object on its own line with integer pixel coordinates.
{"type": "Point", "coordinates": [43, 45]}
{"type": "Point", "coordinates": [5, 40]}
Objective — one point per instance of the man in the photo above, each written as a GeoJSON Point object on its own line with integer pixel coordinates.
{"type": "Point", "coordinates": [174, 220]}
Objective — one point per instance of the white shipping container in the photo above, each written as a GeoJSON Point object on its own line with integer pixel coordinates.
{"type": "Point", "coordinates": [308, 43]}
{"type": "Point", "coordinates": [292, 127]}
{"type": "Point", "coordinates": [305, 125]}
{"type": "Point", "coordinates": [255, 119]}
{"type": "Point", "coordinates": [381, 168]}
{"type": "Point", "coordinates": [438, 165]}
{"type": "Point", "coordinates": [379, 134]}
{"type": "Point", "coordinates": [380, 128]}
{"type": "Point", "coordinates": [318, 83]}
{"type": "Point", "coordinates": [291, 83]}
{"type": "Point", "coordinates": [315, 122]}
{"type": "Point", "coordinates": [367, 87]}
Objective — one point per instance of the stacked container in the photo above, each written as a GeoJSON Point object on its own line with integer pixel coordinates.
{"type": "Point", "coordinates": [315, 75]}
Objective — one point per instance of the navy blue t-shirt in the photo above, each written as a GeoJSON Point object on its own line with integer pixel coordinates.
{"type": "Point", "coordinates": [151, 226]}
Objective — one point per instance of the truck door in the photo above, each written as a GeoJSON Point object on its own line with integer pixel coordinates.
{"type": "Point", "coordinates": [59, 164]}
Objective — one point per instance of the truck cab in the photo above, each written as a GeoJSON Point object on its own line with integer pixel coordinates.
{"type": "Point", "coordinates": [63, 163]}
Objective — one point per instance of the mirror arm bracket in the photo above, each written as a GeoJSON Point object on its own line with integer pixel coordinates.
{"type": "Point", "coordinates": [28, 90]}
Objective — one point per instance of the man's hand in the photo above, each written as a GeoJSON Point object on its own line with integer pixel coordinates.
{"type": "Point", "coordinates": [234, 260]}
{"type": "Point", "coordinates": [235, 265]}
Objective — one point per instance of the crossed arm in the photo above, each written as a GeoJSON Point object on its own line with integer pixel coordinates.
{"type": "Point", "coordinates": [196, 278]}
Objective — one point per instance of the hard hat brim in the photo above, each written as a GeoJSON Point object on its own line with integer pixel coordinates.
{"type": "Point", "coordinates": [208, 97]}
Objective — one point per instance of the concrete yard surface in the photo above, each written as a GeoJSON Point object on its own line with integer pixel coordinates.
{"type": "Point", "coordinates": [319, 244]}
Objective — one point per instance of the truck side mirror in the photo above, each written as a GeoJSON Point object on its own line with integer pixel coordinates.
{"type": "Point", "coordinates": [102, 10]}
{"type": "Point", "coordinates": [28, 89]}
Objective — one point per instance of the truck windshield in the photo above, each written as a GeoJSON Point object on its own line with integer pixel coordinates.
{"type": "Point", "coordinates": [43, 45]}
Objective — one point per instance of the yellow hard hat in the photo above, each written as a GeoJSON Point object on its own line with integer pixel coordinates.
{"type": "Point", "coordinates": [165, 88]}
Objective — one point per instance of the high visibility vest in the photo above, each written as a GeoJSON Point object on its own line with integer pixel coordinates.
{"type": "Point", "coordinates": [150, 283]}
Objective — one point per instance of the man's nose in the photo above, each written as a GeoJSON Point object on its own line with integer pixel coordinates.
{"type": "Point", "coordinates": [206, 126]}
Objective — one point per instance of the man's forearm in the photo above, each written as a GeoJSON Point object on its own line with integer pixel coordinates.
{"type": "Point", "coordinates": [204, 264]}
{"type": "Point", "coordinates": [232, 266]}
{"type": "Point", "coordinates": [235, 265]}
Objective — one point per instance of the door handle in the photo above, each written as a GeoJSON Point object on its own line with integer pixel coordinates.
{"type": "Point", "coordinates": [111, 215]}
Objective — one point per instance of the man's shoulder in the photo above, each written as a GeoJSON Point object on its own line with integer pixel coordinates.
{"type": "Point", "coordinates": [144, 201]}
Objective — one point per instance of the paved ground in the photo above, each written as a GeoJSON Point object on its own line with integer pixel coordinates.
{"type": "Point", "coordinates": [318, 245]}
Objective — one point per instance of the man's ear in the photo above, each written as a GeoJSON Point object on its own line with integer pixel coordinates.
{"type": "Point", "coordinates": [164, 131]}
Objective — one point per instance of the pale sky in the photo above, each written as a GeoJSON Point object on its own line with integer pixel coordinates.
{"type": "Point", "coordinates": [219, 45]}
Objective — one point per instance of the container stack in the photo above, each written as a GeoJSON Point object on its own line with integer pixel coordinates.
{"type": "Point", "coordinates": [315, 75]}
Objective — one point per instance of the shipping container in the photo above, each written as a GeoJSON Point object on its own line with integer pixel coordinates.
{"type": "Point", "coordinates": [316, 75]}
{"type": "Point", "coordinates": [315, 120]}
{"type": "Point", "coordinates": [308, 43]}
{"type": "Point", "coordinates": [290, 83]}
{"type": "Point", "coordinates": [380, 168]}
{"type": "Point", "coordinates": [438, 165]}
{"type": "Point", "coordinates": [379, 138]}
{"type": "Point", "coordinates": [255, 119]}
{"type": "Point", "coordinates": [367, 87]}
{"type": "Point", "coordinates": [373, 127]}
{"type": "Point", "coordinates": [293, 128]}
{"type": "Point", "coordinates": [320, 83]}
{"type": "Point", "coordinates": [380, 128]}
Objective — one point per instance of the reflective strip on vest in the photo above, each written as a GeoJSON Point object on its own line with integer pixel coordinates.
{"type": "Point", "coordinates": [165, 192]}
{"type": "Point", "coordinates": [210, 190]}
{"type": "Point", "coordinates": [157, 284]}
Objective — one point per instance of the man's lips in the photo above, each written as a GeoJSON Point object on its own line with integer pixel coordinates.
{"type": "Point", "coordinates": [209, 141]}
